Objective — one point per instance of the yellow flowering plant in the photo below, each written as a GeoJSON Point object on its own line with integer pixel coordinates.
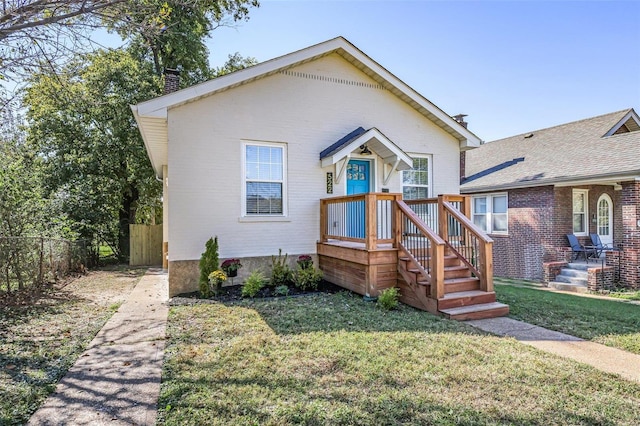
{"type": "Point", "coordinates": [216, 278]}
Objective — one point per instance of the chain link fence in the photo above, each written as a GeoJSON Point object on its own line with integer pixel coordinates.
{"type": "Point", "coordinates": [33, 261]}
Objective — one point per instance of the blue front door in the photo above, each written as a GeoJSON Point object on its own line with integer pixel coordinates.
{"type": "Point", "coordinates": [358, 182]}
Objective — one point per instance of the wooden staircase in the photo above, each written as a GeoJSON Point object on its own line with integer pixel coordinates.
{"type": "Point", "coordinates": [463, 299]}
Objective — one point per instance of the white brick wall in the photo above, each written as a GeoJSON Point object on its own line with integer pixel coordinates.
{"type": "Point", "coordinates": [309, 110]}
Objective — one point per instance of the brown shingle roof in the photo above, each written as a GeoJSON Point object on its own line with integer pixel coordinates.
{"type": "Point", "coordinates": [567, 153]}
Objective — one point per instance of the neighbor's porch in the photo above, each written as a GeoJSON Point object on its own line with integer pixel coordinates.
{"type": "Point", "coordinates": [428, 248]}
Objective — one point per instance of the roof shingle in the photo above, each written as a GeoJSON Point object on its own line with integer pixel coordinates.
{"type": "Point", "coordinates": [568, 152]}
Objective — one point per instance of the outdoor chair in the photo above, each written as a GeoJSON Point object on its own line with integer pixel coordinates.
{"type": "Point", "coordinates": [597, 244]}
{"type": "Point", "coordinates": [578, 249]}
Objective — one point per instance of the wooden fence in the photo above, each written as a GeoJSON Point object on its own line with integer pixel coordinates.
{"type": "Point", "coordinates": [145, 245]}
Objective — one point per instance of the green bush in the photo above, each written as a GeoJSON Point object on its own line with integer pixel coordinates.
{"type": "Point", "coordinates": [307, 278]}
{"type": "Point", "coordinates": [281, 273]}
{"type": "Point", "coordinates": [388, 298]}
{"type": "Point", "coordinates": [208, 263]}
{"type": "Point", "coordinates": [253, 284]}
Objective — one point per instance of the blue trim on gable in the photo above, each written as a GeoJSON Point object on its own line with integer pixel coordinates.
{"type": "Point", "coordinates": [327, 152]}
{"type": "Point", "coordinates": [493, 169]}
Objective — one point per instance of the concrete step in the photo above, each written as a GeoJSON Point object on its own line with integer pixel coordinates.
{"type": "Point", "coordinates": [576, 288]}
{"type": "Point", "coordinates": [466, 298]}
{"type": "Point", "coordinates": [579, 273]}
{"type": "Point", "coordinates": [571, 280]}
{"type": "Point", "coordinates": [580, 266]}
{"type": "Point", "coordinates": [482, 311]}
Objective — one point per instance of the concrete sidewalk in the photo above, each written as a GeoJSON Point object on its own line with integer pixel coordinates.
{"type": "Point", "coordinates": [604, 358]}
{"type": "Point", "coordinates": [116, 381]}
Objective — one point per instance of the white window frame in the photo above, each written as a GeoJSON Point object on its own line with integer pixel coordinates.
{"type": "Point", "coordinates": [285, 212]}
{"type": "Point", "coordinates": [429, 174]}
{"type": "Point", "coordinates": [585, 220]}
{"type": "Point", "coordinates": [489, 212]}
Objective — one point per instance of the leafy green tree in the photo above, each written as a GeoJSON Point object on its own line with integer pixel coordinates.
{"type": "Point", "coordinates": [234, 63]}
{"type": "Point", "coordinates": [95, 162]}
{"type": "Point", "coordinates": [174, 34]}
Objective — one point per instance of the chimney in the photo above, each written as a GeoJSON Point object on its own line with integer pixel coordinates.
{"type": "Point", "coordinates": [463, 165]}
{"type": "Point", "coordinates": [460, 119]}
{"type": "Point", "coordinates": [171, 80]}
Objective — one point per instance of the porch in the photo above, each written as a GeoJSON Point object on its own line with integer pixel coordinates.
{"type": "Point", "coordinates": [429, 248]}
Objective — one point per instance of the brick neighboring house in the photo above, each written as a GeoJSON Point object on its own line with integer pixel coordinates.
{"type": "Point", "coordinates": [531, 190]}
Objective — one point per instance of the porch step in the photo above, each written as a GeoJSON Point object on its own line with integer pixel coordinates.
{"type": "Point", "coordinates": [455, 285]}
{"type": "Point", "coordinates": [570, 279]}
{"type": "Point", "coordinates": [456, 272]}
{"type": "Point", "coordinates": [481, 311]}
{"type": "Point", "coordinates": [576, 288]}
{"type": "Point", "coordinates": [574, 277]}
{"type": "Point", "coordinates": [449, 260]}
{"type": "Point", "coordinates": [466, 298]}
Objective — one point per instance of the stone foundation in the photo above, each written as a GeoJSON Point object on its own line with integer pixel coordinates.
{"type": "Point", "coordinates": [184, 275]}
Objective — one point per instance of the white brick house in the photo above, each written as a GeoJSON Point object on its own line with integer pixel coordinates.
{"type": "Point", "coordinates": [239, 155]}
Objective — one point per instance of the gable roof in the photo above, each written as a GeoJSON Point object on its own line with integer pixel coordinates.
{"type": "Point", "coordinates": [588, 151]}
{"type": "Point", "coordinates": [151, 115]}
{"type": "Point", "coordinates": [374, 139]}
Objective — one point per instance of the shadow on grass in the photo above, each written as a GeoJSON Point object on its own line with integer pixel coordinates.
{"type": "Point", "coordinates": [344, 311]}
{"type": "Point", "coordinates": [205, 399]}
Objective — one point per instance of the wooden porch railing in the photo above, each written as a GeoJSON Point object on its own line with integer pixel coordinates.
{"type": "Point", "coordinates": [362, 218]}
{"type": "Point", "coordinates": [423, 246]}
{"type": "Point", "coordinates": [466, 240]}
{"type": "Point", "coordinates": [420, 228]}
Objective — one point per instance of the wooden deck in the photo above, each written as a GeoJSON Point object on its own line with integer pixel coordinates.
{"type": "Point", "coordinates": [448, 271]}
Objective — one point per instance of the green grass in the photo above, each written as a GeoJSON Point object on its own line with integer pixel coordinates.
{"type": "Point", "coordinates": [626, 295]}
{"type": "Point", "coordinates": [42, 338]}
{"type": "Point", "coordinates": [609, 322]}
{"type": "Point", "coordinates": [334, 359]}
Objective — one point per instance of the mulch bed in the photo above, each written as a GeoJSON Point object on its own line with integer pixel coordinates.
{"type": "Point", "coordinates": [233, 293]}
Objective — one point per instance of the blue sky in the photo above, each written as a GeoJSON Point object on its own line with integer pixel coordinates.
{"type": "Point", "coordinates": [512, 66]}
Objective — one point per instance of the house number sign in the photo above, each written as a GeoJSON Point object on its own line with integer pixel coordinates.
{"type": "Point", "coordinates": [329, 182]}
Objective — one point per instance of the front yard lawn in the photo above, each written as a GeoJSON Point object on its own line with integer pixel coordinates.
{"type": "Point", "coordinates": [335, 359]}
{"type": "Point", "coordinates": [41, 340]}
{"type": "Point", "coordinates": [612, 323]}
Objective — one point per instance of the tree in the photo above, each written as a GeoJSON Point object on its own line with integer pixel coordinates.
{"type": "Point", "coordinates": [95, 163]}
{"type": "Point", "coordinates": [234, 63]}
{"type": "Point", "coordinates": [174, 35]}
{"type": "Point", "coordinates": [37, 34]}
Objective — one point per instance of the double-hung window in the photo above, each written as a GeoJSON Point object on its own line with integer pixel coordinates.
{"type": "Point", "coordinates": [264, 179]}
{"type": "Point", "coordinates": [580, 212]}
{"type": "Point", "coordinates": [490, 213]}
{"type": "Point", "coordinates": [415, 182]}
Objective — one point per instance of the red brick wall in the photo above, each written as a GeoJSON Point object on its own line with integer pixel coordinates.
{"type": "Point", "coordinates": [539, 221]}
{"type": "Point", "coordinates": [630, 257]}
{"type": "Point", "coordinates": [521, 253]}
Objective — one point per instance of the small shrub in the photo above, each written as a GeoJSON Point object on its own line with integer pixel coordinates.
{"type": "Point", "coordinates": [253, 284]}
{"type": "Point", "coordinates": [281, 273]}
{"type": "Point", "coordinates": [307, 279]}
{"type": "Point", "coordinates": [281, 290]}
{"type": "Point", "coordinates": [208, 263]}
{"type": "Point", "coordinates": [388, 298]}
